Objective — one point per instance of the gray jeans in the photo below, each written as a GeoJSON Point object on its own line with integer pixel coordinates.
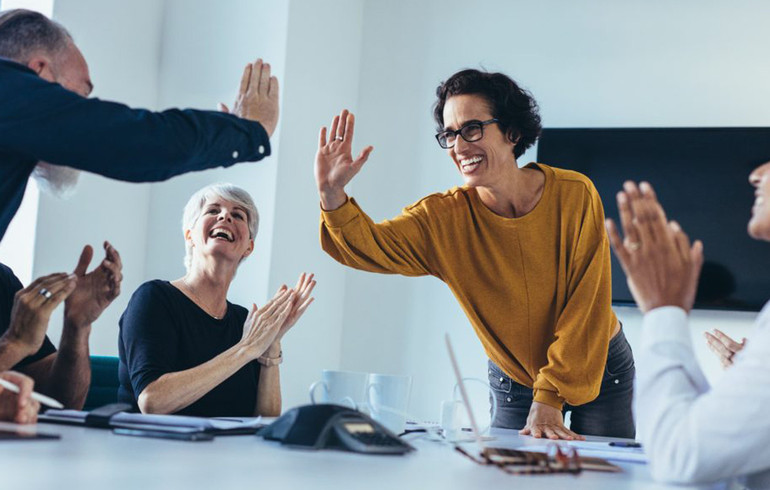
{"type": "Point", "coordinates": [608, 415]}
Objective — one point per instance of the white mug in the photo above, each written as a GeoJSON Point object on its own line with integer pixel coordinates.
{"type": "Point", "coordinates": [341, 388]}
{"type": "Point", "coordinates": [450, 418]}
{"type": "Point", "coordinates": [388, 397]}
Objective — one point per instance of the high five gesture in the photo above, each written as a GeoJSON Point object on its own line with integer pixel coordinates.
{"type": "Point", "coordinates": [334, 163]}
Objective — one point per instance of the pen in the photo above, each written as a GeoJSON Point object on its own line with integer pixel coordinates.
{"type": "Point", "coordinates": [625, 444]}
{"type": "Point", "coordinates": [45, 400]}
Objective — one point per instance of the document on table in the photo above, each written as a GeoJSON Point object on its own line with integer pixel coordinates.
{"type": "Point", "coordinates": [602, 450]}
{"type": "Point", "coordinates": [133, 420]}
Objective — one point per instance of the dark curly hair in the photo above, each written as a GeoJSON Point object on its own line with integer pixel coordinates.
{"type": "Point", "coordinates": [514, 107]}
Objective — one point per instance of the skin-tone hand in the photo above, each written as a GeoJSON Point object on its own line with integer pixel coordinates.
{"type": "Point", "coordinates": [724, 346]}
{"type": "Point", "coordinates": [661, 266]}
{"type": "Point", "coordinates": [334, 163]}
{"type": "Point", "coordinates": [95, 290]}
{"type": "Point", "coordinates": [31, 310]}
{"type": "Point", "coordinates": [263, 325]}
{"type": "Point", "coordinates": [302, 300]}
{"type": "Point", "coordinates": [545, 421]}
{"type": "Point", "coordinates": [19, 408]}
{"type": "Point", "coordinates": [257, 97]}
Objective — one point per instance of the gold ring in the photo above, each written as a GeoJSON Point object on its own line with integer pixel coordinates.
{"type": "Point", "coordinates": [633, 246]}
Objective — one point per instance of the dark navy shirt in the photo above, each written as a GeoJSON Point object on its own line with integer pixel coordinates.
{"type": "Point", "coordinates": [42, 121]}
{"type": "Point", "coordinates": [163, 331]}
{"type": "Point", "coordinates": [9, 284]}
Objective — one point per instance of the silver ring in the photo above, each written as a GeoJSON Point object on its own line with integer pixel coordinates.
{"type": "Point", "coordinates": [339, 138]}
{"type": "Point", "coordinates": [634, 246]}
{"type": "Point", "coordinates": [46, 293]}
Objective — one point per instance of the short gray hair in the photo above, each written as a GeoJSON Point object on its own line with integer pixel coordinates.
{"type": "Point", "coordinates": [23, 33]}
{"type": "Point", "coordinates": [229, 192]}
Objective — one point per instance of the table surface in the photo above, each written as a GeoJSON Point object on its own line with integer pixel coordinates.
{"type": "Point", "coordinates": [86, 459]}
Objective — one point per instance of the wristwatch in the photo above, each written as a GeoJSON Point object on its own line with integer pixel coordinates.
{"type": "Point", "coordinates": [270, 361]}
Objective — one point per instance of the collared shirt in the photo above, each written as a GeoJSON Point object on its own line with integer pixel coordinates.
{"type": "Point", "coordinates": [694, 432]}
{"type": "Point", "coordinates": [42, 121]}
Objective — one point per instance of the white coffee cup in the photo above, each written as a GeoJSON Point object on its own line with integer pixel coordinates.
{"type": "Point", "coordinates": [346, 388]}
{"type": "Point", "coordinates": [388, 397]}
{"type": "Point", "coordinates": [450, 418]}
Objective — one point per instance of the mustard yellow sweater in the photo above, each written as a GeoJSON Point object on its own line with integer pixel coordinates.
{"type": "Point", "coordinates": [537, 289]}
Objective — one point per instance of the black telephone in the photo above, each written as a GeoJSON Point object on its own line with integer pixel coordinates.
{"type": "Point", "coordinates": [335, 427]}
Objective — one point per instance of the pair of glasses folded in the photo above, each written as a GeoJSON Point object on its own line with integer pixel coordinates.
{"type": "Point", "coordinates": [556, 459]}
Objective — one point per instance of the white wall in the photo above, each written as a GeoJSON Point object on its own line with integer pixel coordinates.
{"type": "Point", "coordinates": [323, 56]}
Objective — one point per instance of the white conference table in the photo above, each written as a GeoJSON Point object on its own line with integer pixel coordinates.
{"type": "Point", "coordinates": [86, 459]}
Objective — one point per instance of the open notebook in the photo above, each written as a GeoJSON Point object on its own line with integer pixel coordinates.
{"type": "Point", "coordinates": [219, 425]}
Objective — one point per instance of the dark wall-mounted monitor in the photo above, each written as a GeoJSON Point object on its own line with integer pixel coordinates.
{"type": "Point", "coordinates": [701, 178]}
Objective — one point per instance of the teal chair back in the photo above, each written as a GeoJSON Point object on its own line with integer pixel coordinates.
{"type": "Point", "coordinates": [104, 382]}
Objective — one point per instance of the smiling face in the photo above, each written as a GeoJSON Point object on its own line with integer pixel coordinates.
{"type": "Point", "coordinates": [221, 232]}
{"type": "Point", "coordinates": [485, 161]}
{"type": "Point", "coordinates": [759, 224]}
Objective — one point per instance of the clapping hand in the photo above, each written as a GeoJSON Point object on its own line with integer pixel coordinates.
{"type": "Point", "coordinates": [302, 300]}
{"type": "Point", "coordinates": [263, 325]}
{"type": "Point", "coordinates": [724, 346]}
{"type": "Point", "coordinates": [95, 290]}
{"type": "Point", "coordinates": [334, 163]}
{"type": "Point", "coordinates": [32, 308]}
{"type": "Point", "coordinates": [661, 266]}
{"type": "Point", "coordinates": [257, 97]}
{"type": "Point", "coordinates": [266, 326]}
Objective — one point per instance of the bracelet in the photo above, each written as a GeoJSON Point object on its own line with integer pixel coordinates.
{"type": "Point", "coordinates": [270, 361]}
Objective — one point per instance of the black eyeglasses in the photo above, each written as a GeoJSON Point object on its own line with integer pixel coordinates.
{"type": "Point", "coordinates": [556, 459]}
{"type": "Point", "coordinates": [473, 131]}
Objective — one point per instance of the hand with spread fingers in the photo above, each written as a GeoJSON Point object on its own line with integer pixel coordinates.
{"type": "Point", "coordinates": [263, 325]}
{"type": "Point", "coordinates": [661, 266]}
{"type": "Point", "coordinates": [32, 308]}
{"type": "Point", "coordinates": [18, 407]}
{"type": "Point", "coordinates": [257, 97]}
{"type": "Point", "coordinates": [96, 289]}
{"type": "Point", "coordinates": [723, 346]}
{"type": "Point", "coordinates": [334, 163]}
{"type": "Point", "coordinates": [545, 421]}
{"type": "Point", "coordinates": [302, 300]}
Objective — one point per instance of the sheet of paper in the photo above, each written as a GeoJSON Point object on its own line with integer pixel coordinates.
{"type": "Point", "coordinates": [602, 450]}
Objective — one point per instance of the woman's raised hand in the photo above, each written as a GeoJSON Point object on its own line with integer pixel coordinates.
{"type": "Point", "coordinates": [263, 325]}
{"type": "Point", "coordinates": [334, 163]}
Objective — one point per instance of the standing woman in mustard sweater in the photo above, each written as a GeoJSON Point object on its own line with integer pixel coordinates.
{"type": "Point", "coordinates": [523, 250]}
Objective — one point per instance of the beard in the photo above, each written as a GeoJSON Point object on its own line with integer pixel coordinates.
{"type": "Point", "coordinates": [57, 180]}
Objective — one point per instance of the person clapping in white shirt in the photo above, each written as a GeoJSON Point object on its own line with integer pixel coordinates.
{"type": "Point", "coordinates": [692, 431]}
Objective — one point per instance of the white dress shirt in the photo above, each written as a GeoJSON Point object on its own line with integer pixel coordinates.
{"type": "Point", "coordinates": [694, 432]}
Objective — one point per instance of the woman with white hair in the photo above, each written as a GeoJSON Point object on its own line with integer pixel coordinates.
{"type": "Point", "coordinates": [183, 347]}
